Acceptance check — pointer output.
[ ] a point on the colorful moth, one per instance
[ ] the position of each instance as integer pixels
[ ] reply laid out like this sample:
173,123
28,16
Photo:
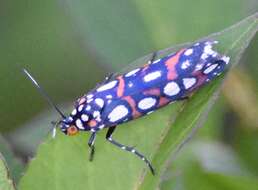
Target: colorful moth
141,91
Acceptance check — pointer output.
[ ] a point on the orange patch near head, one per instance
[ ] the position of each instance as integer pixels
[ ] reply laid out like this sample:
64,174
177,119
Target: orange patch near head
171,65
132,104
92,123
121,86
72,130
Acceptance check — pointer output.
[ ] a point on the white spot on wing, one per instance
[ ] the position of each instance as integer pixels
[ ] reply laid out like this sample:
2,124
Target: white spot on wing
185,64
156,61
118,113
210,69
80,108
189,82
152,76
107,86
99,102
208,64
74,112
130,84
101,126
109,96
79,124
89,100
132,72
214,54
226,59
188,52
88,107
98,119
208,50
84,117
171,89
204,56
199,66
89,96
147,103
96,114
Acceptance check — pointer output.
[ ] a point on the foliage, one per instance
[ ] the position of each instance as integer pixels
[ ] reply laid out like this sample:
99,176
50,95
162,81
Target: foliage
70,45
62,158
5,182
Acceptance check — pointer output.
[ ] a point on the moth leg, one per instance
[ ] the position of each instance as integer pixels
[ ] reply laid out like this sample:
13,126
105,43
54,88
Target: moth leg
91,145
153,57
53,128
183,98
128,148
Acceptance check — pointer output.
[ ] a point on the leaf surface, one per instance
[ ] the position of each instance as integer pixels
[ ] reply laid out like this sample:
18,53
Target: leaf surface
5,182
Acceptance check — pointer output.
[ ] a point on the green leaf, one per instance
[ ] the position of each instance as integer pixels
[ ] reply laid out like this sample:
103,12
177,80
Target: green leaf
5,182
63,163
197,178
210,165
220,181
15,165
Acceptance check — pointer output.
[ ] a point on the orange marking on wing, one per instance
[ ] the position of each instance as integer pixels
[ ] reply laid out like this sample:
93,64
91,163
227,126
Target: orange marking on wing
163,101
92,123
153,91
132,104
171,65
121,86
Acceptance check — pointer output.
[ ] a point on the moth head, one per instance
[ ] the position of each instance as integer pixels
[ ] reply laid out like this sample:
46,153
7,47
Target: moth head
68,127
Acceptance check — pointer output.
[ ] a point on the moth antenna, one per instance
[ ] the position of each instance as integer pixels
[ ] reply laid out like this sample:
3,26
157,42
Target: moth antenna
43,92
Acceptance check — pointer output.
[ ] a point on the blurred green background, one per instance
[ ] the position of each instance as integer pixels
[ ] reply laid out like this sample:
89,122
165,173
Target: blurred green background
71,45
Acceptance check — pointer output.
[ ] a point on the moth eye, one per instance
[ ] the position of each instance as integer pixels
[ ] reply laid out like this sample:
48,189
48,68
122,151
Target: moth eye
72,130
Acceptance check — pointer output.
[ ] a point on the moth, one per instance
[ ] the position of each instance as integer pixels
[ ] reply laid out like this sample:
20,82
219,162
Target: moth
141,91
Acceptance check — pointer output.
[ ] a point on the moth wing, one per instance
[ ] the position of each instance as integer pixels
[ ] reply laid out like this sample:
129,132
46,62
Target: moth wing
145,59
